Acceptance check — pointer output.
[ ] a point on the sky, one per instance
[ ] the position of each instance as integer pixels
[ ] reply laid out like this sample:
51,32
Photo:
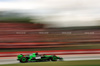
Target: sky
61,13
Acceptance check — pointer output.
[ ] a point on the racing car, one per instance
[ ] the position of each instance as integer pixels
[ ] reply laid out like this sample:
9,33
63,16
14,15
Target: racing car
35,57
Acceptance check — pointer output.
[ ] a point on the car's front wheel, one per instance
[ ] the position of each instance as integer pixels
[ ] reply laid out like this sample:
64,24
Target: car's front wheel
54,58
24,60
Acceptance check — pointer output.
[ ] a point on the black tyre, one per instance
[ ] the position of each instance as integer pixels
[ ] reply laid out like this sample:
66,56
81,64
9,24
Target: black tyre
54,58
24,60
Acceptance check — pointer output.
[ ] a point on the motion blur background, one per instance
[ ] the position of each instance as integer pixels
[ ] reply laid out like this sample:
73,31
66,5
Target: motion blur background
36,25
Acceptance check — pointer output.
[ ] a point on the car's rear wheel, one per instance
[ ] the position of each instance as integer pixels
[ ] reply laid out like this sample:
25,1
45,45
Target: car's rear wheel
54,58
24,60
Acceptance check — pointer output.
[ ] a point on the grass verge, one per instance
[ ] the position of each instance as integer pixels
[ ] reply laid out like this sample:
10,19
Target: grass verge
60,63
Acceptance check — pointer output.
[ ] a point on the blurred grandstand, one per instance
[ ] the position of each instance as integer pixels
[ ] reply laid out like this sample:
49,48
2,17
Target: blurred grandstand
30,35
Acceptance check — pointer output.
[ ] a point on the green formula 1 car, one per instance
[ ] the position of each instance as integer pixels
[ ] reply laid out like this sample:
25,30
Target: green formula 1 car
35,57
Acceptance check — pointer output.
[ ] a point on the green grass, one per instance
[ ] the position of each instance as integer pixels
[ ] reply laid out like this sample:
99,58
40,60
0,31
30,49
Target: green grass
77,47
60,63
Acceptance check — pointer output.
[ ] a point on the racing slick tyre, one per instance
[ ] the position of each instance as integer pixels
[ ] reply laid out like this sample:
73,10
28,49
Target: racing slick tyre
24,60
54,58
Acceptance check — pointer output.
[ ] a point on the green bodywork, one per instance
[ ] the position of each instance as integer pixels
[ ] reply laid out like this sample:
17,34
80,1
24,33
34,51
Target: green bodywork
33,57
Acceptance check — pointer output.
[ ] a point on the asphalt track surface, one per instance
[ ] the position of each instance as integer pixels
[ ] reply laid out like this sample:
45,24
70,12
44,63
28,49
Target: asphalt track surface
12,60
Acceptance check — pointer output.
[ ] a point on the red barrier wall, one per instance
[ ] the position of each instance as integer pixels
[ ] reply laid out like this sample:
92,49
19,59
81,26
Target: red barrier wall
55,52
